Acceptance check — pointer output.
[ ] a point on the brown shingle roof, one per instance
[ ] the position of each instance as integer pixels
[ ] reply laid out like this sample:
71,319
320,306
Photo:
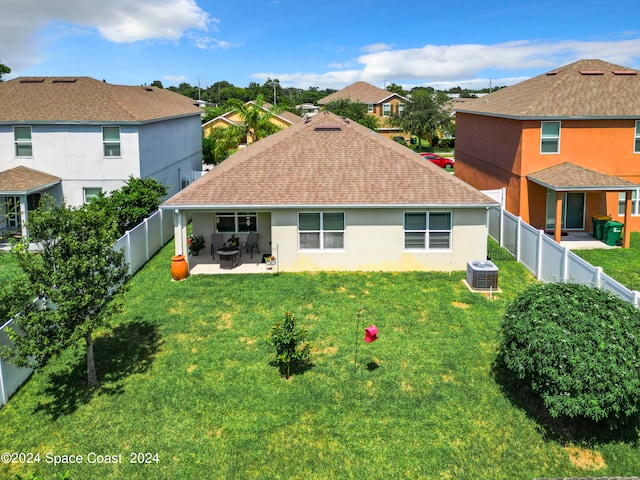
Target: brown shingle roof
362,92
584,89
25,180
569,176
326,161
84,99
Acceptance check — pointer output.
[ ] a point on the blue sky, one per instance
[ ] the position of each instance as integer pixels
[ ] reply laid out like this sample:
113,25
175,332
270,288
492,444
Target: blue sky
305,43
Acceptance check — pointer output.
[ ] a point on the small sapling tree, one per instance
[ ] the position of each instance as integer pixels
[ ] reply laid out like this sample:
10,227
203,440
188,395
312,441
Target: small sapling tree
578,348
292,351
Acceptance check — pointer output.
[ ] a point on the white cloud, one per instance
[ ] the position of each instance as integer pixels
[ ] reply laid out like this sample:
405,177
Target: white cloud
472,65
175,78
119,21
377,47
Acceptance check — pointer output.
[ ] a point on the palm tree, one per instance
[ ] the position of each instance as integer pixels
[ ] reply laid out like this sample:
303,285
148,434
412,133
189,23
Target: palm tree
256,118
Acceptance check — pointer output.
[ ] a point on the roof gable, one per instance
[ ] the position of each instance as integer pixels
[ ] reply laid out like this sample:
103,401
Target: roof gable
327,161
583,89
85,99
362,92
25,180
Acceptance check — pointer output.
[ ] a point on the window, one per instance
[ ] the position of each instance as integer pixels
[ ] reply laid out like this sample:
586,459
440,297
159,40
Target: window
22,137
91,193
427,230
111,141
550,137
321,231
236,222
636,148
370,108
635,203
386,109
401,109
33,200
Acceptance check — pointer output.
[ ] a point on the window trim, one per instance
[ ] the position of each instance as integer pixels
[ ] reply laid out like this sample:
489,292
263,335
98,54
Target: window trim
106,142
322,231
21,142
636,138
635,203
92,196
557,139
385,107
427,231
370,108
237,217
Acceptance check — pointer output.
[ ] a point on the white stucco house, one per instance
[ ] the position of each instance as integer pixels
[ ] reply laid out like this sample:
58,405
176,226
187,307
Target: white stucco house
330,194
73,137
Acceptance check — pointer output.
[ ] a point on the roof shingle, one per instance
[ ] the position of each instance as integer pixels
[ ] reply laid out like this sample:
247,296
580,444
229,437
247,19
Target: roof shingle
327,161
85,99
583,89
25,180
569,176
362,92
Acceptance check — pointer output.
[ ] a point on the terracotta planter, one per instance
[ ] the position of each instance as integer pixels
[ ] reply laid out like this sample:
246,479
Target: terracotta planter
179,268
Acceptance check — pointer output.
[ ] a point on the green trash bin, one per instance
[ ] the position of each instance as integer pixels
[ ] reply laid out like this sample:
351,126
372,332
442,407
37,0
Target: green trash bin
598,222
612,233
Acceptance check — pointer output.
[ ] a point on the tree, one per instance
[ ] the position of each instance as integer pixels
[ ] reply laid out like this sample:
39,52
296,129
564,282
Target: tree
216,147
257,120
422,117
4,70
78,279
355,111
397,89
157,83
129,205
292,351
577,347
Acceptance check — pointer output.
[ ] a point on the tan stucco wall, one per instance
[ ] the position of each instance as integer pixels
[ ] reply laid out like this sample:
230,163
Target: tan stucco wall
374,241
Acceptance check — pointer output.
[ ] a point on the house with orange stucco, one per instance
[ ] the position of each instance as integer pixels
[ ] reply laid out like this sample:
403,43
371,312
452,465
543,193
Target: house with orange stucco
565,145
381,103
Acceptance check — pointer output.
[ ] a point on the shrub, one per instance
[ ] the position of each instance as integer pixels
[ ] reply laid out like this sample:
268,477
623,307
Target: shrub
292,352
577,347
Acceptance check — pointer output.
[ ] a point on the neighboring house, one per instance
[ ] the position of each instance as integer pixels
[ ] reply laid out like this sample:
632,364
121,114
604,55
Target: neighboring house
330,194
282,120
565,144
381,103
73,137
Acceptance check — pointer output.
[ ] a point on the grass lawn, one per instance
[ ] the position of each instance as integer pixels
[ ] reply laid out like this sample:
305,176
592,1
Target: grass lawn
623,264
186,373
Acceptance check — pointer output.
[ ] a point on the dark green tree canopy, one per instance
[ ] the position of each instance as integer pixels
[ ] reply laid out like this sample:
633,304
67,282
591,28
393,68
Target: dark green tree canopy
577,347
4,70
77,278
355,111
423,116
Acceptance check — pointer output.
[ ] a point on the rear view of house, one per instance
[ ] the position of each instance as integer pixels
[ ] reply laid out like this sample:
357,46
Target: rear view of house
330,194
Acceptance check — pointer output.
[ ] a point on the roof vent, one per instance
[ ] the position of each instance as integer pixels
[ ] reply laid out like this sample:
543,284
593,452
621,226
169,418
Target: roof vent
591,72
32,80
555,72
327,128
624,72
64,80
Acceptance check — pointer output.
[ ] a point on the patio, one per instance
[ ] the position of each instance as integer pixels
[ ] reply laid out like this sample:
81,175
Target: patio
204,264
581,241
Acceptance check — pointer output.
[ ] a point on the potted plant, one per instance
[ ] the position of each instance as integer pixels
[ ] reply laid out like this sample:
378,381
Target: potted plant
234,242
196,243
270,261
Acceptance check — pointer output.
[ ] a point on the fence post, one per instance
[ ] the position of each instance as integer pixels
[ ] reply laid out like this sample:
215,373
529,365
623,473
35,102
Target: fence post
518,236
501,227
146,238
565,264
597,276
4,392
129,251
539,256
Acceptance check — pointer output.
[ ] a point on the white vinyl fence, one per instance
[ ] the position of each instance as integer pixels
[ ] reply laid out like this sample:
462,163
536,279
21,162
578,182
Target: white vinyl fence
139,245
548,260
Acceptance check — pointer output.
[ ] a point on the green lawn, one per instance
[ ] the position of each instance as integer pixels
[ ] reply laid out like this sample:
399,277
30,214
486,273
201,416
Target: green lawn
623,264
186,373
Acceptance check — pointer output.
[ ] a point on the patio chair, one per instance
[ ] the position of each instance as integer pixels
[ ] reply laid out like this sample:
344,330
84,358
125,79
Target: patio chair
216,244
250,243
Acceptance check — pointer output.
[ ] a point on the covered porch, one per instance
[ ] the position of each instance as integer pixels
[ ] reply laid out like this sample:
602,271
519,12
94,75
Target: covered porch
20,191
568,180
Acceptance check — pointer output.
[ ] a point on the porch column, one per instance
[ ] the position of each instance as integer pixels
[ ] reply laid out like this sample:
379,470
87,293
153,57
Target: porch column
626,231
24,216
557,230
180,233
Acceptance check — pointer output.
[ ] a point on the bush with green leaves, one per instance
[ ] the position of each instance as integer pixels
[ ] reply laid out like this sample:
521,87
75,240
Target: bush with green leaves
577,347
292,351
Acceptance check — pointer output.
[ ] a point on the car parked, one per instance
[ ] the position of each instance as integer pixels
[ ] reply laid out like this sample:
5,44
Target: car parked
443,162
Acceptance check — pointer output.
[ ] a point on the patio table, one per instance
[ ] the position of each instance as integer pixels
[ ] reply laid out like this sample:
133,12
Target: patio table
228,258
